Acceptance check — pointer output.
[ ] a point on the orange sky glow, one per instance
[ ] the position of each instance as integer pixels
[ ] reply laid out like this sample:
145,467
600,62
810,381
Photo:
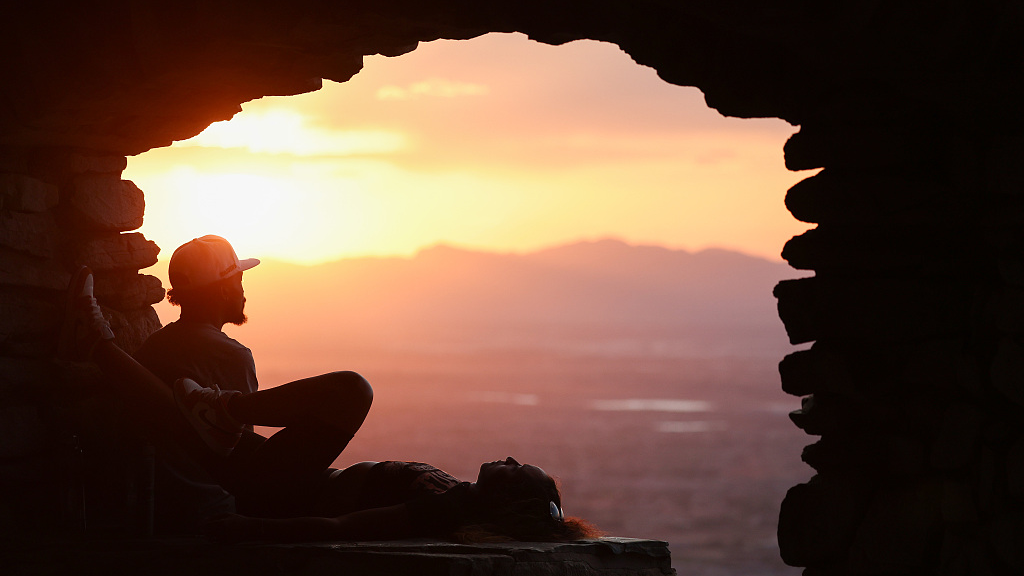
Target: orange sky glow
497,143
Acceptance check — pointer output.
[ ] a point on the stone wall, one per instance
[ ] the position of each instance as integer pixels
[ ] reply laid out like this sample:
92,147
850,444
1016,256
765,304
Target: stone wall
915,306
62,209
914,380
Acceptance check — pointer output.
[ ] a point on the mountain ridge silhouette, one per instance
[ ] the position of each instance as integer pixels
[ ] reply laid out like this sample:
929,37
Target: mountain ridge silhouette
604,290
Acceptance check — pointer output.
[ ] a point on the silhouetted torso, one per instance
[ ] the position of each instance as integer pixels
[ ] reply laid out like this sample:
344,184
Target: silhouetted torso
185,493
201,352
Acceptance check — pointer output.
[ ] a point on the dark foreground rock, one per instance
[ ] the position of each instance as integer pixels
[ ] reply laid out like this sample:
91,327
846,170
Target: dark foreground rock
193,557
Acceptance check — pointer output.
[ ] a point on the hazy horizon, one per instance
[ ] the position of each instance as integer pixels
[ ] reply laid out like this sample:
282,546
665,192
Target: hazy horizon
166,251
600,297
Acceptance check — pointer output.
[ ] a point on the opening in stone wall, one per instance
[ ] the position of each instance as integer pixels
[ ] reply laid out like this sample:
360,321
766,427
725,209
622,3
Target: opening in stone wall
436,223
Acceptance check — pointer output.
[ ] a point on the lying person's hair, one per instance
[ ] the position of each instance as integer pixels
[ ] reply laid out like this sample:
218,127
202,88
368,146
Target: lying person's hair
528,510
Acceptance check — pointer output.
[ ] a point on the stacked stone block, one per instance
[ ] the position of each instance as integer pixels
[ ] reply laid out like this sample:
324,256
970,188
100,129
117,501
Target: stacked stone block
914,381
59,210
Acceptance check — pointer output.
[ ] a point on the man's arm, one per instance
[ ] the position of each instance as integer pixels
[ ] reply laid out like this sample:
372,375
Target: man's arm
391,523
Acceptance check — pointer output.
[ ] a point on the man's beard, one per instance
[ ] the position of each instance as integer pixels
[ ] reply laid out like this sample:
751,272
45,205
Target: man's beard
240,318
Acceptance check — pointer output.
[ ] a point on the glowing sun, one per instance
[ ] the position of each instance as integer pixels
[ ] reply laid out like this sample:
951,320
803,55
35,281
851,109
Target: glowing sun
302,220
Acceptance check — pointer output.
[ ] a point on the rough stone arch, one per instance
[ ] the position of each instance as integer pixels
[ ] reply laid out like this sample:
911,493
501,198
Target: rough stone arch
915,308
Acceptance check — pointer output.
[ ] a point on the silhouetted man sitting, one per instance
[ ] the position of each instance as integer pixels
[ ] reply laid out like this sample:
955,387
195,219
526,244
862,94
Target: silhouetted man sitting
206,282
189,378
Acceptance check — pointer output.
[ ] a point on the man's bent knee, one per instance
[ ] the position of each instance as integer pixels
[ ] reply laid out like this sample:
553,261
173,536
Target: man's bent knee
350,390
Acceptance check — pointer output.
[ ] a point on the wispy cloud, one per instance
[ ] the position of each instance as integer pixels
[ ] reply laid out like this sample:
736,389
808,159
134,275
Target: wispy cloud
433,87
287,132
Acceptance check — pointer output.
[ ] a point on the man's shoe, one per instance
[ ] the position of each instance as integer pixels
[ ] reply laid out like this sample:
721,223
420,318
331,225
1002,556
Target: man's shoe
206,410
84,324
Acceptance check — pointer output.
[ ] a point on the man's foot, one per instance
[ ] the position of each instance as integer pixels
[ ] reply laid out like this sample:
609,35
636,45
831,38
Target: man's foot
206,410
84,324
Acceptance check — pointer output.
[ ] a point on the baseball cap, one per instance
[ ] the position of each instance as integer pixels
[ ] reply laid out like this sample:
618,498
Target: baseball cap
203,261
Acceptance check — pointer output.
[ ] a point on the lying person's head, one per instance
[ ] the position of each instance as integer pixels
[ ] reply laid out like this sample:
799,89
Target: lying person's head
521,502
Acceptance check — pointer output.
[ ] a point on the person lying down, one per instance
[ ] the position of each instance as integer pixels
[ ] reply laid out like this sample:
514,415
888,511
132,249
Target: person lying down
394,500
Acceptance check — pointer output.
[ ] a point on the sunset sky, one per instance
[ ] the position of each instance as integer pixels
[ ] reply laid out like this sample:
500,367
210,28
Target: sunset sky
497,143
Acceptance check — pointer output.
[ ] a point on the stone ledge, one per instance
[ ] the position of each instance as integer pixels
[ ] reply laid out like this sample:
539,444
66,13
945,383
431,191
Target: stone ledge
195,557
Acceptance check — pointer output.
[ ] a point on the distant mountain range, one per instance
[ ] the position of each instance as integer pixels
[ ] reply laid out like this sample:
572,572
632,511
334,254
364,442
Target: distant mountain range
603,297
